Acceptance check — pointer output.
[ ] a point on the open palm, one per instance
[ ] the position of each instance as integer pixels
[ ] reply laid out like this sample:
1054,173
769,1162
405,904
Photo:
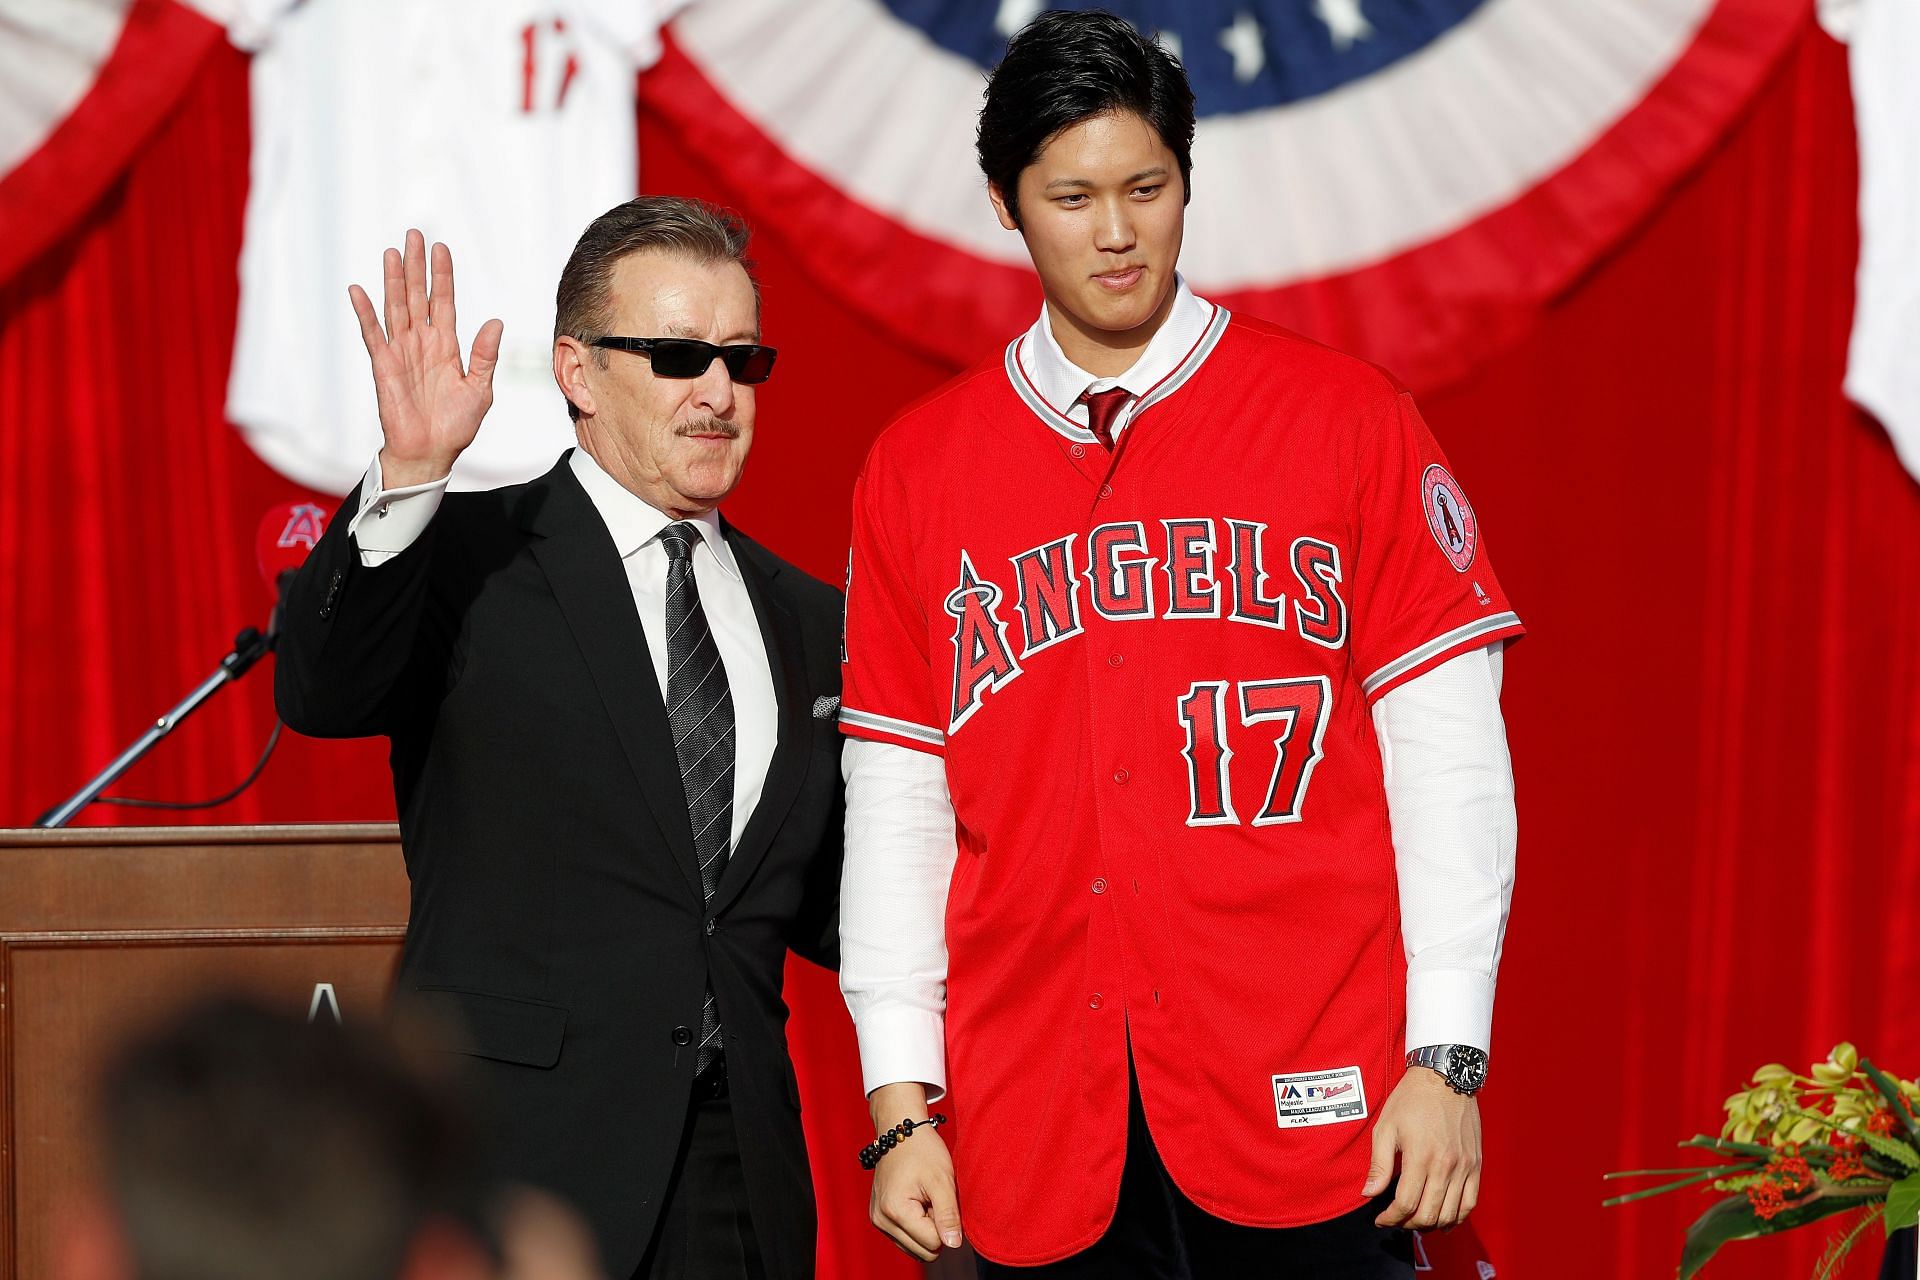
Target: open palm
430,406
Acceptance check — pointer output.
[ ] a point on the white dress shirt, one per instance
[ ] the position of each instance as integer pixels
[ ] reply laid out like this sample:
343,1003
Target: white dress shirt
1449,790
390,519
1061,382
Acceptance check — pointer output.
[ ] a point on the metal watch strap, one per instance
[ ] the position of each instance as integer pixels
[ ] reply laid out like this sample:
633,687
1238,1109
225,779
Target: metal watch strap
1465,1071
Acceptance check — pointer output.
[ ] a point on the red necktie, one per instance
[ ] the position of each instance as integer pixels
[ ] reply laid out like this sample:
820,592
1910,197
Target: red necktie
1102,408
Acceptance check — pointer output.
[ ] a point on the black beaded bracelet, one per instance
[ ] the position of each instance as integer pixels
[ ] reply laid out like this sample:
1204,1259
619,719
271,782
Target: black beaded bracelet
887,1141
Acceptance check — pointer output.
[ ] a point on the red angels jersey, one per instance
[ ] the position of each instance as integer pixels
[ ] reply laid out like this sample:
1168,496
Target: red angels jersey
1149,676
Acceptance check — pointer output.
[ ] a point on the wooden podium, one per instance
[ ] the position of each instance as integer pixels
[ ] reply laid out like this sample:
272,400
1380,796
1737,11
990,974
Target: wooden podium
102,929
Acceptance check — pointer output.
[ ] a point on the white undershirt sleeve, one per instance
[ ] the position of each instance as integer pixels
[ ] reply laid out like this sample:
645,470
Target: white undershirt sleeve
1449,783
900,853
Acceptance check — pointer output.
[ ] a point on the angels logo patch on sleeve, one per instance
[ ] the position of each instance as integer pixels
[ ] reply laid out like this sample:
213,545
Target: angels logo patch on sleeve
1449,516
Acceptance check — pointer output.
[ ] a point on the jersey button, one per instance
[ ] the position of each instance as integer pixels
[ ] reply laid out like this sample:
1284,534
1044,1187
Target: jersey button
1120,776
1094,1003
1114,659
1106,491
1099,884
1077,451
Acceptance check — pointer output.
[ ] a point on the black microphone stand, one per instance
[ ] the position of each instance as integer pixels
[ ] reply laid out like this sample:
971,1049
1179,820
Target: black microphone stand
249,647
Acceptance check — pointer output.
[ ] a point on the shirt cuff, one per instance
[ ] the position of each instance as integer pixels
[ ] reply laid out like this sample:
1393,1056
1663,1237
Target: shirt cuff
390,520
1449,1006
903,1045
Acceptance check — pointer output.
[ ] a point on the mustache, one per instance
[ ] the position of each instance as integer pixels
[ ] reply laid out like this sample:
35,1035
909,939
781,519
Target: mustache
708,426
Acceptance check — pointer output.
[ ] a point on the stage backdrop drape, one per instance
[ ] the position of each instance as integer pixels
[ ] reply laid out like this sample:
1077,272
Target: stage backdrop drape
1713,721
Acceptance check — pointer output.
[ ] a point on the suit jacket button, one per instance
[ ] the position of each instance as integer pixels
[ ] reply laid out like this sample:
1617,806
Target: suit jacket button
711,926
333,594
682,1036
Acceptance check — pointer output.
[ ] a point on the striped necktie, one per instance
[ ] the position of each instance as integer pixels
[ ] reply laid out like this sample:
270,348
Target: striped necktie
700,711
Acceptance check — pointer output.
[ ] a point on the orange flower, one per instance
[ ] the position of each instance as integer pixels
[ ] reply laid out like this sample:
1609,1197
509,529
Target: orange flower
1767,1199
1794,1174
1847,1166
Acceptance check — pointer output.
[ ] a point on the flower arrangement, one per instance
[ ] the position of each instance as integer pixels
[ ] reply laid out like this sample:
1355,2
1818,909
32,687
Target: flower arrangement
1841,1140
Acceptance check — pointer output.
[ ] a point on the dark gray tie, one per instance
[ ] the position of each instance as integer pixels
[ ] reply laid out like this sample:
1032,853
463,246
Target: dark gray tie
700,710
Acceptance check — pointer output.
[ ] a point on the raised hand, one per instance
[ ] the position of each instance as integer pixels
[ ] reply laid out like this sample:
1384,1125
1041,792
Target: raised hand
430,407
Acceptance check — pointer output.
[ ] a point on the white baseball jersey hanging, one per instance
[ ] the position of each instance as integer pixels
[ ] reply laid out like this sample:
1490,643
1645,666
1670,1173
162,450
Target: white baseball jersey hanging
502,127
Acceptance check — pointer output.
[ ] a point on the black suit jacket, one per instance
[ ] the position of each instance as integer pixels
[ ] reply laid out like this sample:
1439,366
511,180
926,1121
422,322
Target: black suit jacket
557,915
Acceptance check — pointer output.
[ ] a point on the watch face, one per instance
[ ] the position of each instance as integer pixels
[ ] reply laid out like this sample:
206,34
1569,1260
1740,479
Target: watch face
1466,1067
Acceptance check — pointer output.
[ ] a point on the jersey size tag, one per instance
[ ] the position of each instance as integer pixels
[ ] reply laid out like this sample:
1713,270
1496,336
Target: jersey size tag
1320,1097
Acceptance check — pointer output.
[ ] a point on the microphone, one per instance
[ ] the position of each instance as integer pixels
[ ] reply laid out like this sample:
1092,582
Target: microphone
287,535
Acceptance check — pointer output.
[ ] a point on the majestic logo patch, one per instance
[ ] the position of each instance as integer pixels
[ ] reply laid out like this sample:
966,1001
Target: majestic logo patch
1450,516
1320,1097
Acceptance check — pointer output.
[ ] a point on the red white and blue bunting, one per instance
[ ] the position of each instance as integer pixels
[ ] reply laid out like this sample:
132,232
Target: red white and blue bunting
1410,180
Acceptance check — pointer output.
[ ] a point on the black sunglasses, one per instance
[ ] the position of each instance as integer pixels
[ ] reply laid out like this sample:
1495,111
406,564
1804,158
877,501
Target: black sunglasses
690,357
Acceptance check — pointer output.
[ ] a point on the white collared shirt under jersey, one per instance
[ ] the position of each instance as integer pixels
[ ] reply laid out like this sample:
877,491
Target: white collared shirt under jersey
1445,768
1061,382
389,520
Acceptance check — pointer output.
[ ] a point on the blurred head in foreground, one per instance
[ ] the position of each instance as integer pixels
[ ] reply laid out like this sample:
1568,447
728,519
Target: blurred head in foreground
239,1143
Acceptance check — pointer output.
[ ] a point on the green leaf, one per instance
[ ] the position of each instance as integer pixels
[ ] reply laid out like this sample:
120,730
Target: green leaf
1734,1219
1898,1152
1694,1178
1730,1219
1903,1203
1879,1166
1728,1147
1891,1092
1841,1245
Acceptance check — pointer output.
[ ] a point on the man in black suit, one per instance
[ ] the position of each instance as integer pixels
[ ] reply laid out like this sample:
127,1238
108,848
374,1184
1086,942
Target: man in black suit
614,743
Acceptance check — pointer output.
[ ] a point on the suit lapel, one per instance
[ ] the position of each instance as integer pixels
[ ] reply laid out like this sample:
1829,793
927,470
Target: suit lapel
786,659
577,554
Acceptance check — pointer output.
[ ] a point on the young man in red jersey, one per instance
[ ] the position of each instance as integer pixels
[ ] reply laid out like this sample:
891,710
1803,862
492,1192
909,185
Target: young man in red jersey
1180,820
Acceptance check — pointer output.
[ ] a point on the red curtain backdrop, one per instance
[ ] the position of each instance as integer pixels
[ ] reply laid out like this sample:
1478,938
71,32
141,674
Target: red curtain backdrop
1713,722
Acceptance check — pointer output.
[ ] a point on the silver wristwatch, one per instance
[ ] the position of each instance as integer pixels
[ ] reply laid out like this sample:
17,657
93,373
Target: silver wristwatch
1462,1066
